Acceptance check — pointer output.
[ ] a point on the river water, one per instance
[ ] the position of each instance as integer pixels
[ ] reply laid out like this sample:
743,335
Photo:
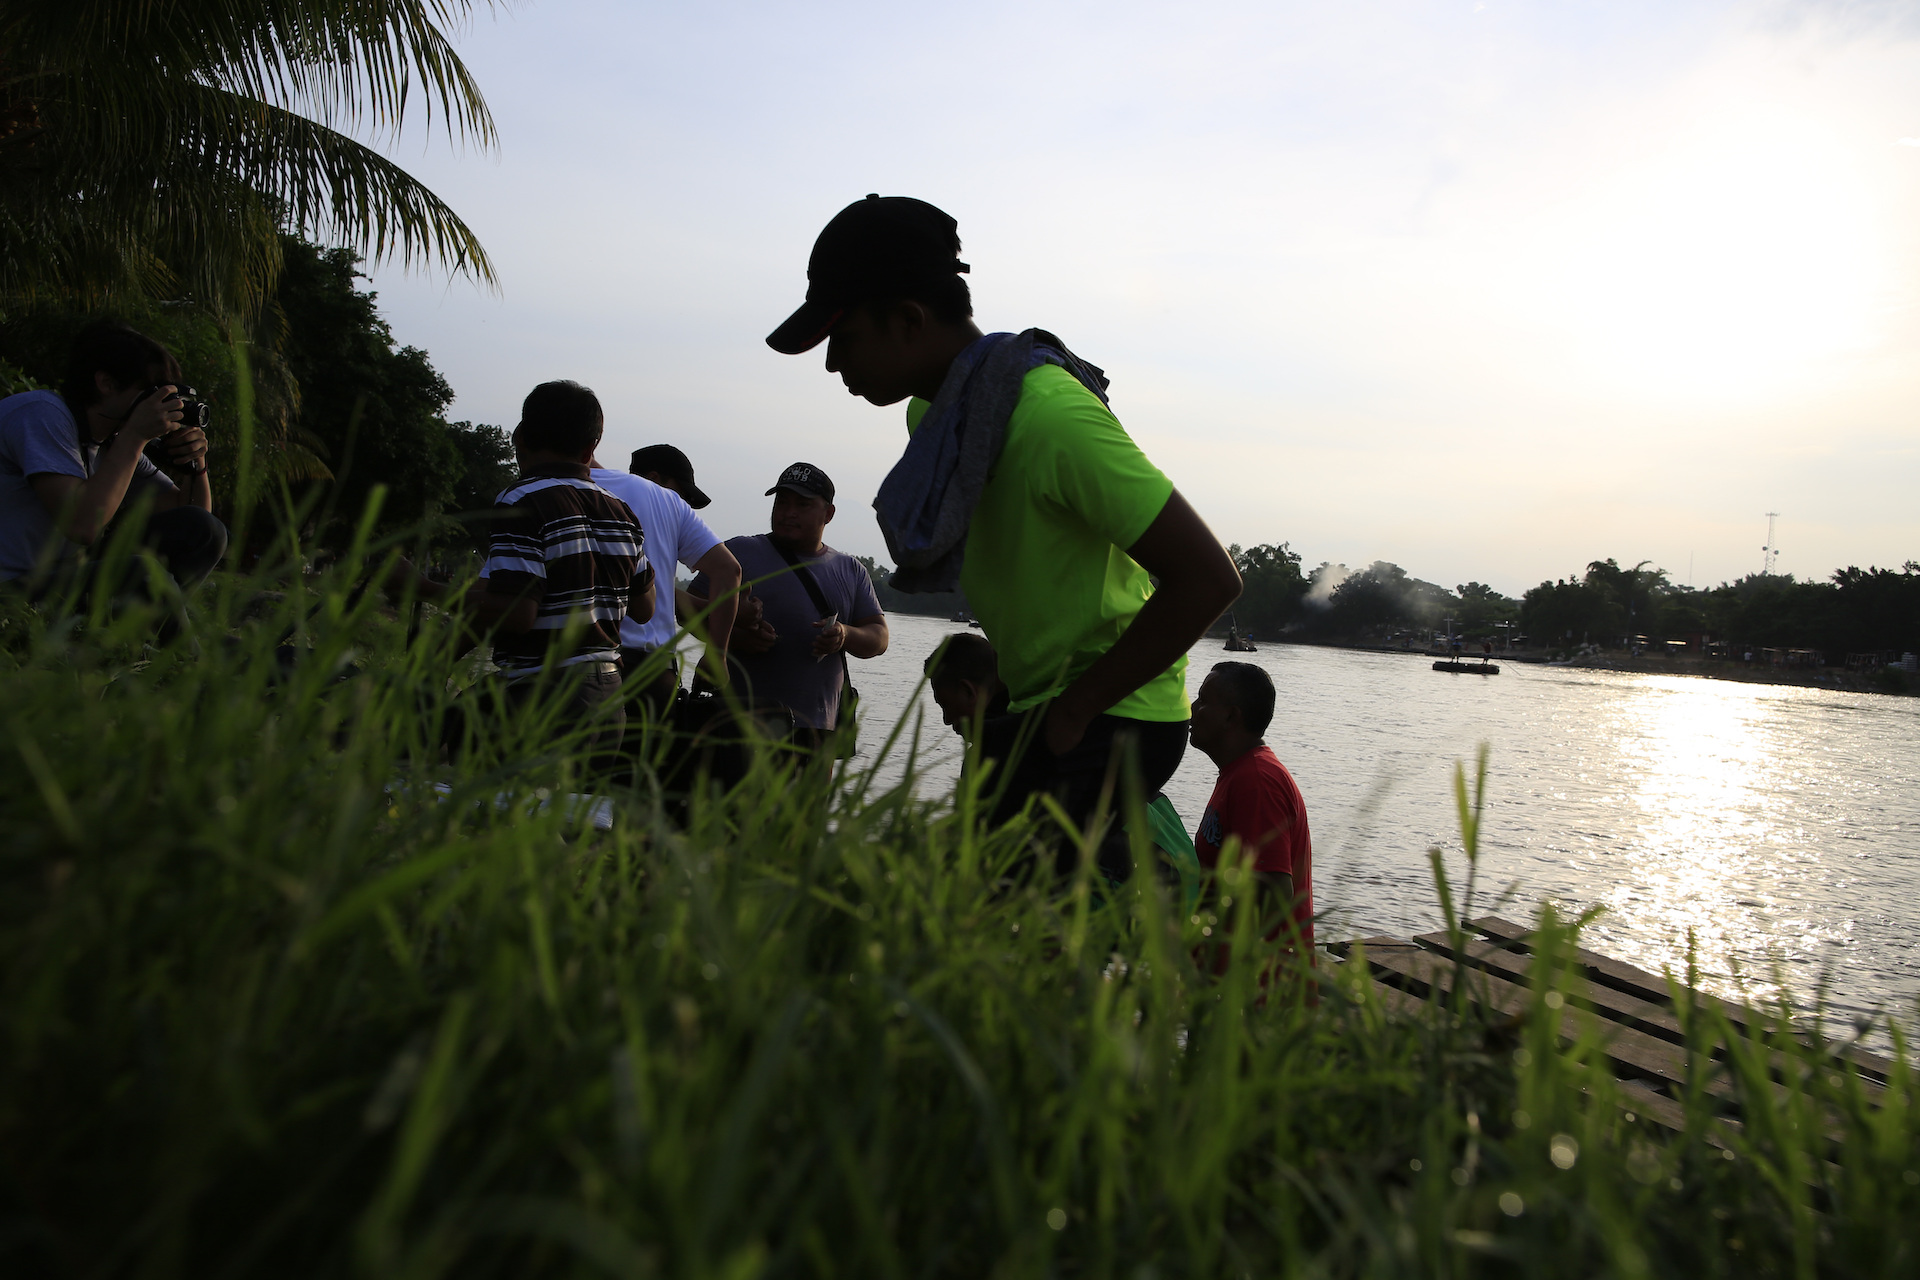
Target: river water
1778,827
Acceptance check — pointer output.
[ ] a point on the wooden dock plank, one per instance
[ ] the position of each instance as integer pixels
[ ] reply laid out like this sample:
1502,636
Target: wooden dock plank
1642,1015
1636,1098
1636,982
1633,1052
1391,998
1643,1064
1515,966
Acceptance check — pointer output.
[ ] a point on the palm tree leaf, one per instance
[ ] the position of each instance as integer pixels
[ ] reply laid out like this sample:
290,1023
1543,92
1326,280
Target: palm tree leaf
153,145
342,62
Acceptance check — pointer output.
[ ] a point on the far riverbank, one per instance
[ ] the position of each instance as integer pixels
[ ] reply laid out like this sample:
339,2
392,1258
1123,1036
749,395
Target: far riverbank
1888,681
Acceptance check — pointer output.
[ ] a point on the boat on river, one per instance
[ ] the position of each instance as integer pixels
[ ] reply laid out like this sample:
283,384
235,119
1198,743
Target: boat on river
1480,668
1237,643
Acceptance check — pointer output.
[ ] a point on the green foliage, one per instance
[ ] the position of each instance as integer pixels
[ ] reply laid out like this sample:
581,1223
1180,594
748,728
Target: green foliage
1856,611
1482,610
1379,599
273,1004
14,379
487,467
159,151
1567,613
1272,587
373,408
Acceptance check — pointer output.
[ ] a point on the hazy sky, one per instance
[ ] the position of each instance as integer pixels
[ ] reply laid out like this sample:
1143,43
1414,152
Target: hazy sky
1488,289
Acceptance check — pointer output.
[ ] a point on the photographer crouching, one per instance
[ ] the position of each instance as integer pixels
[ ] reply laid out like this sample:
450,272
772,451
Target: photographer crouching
73,460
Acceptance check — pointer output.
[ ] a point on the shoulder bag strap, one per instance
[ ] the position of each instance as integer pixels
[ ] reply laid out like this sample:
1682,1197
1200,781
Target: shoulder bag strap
818,597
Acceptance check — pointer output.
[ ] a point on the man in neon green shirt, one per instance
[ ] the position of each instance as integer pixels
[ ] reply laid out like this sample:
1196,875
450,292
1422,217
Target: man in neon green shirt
1021,487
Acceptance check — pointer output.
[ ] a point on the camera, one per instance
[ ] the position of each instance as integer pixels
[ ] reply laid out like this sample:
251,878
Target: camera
193,413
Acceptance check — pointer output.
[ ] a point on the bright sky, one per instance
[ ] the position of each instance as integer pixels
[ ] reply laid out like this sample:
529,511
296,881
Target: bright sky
1488,289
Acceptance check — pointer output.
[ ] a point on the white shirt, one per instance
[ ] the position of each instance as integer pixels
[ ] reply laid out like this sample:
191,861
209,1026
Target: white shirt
674,535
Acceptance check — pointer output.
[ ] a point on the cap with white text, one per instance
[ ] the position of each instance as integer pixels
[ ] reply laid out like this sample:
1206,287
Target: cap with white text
804,479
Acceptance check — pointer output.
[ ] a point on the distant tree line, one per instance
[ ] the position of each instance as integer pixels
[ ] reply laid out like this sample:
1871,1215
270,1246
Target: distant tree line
1855,611
1330,603
1380,602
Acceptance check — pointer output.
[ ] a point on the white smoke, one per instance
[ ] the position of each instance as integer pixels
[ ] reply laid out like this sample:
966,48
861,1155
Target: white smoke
1324,582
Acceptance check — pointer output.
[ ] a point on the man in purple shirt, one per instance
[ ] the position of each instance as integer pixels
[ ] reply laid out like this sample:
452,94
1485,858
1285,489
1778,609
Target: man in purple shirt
790,649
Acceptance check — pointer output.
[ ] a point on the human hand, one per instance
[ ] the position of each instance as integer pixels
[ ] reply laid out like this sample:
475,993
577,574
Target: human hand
832,637
756,639
187,449
1063,729
748,616
155,414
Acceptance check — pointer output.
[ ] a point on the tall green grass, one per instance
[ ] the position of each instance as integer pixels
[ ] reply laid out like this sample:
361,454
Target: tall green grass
276,1005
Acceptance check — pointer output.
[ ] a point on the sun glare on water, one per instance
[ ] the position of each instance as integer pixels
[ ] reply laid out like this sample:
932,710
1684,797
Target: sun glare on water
1709,860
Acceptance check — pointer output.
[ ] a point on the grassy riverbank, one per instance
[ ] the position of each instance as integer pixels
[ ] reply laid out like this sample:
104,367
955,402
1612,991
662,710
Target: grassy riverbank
275,1005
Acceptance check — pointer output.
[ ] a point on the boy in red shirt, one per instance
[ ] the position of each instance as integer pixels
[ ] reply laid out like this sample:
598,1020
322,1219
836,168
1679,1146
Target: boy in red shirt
1255,798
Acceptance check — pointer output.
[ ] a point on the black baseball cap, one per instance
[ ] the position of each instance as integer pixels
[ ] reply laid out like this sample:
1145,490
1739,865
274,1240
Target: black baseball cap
804,479
874,247
669,461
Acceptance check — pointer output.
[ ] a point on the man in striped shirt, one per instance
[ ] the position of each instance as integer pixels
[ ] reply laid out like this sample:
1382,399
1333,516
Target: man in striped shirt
567,563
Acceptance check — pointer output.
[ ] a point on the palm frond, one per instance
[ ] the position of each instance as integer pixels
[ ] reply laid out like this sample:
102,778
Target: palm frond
344,62
166,145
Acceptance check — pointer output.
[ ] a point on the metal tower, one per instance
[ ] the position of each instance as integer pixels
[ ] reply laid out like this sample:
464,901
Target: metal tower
1772,551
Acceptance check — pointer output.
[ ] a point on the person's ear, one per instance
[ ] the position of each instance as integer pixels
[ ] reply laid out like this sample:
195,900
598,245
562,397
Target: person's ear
104,385
829,519
911,319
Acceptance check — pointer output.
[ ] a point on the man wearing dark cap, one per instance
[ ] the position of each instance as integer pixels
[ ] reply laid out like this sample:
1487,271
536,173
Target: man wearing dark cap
1019,486
675,535
669,468
810,608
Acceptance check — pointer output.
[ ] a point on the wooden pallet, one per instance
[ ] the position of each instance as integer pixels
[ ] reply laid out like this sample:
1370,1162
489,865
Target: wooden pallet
1629,1012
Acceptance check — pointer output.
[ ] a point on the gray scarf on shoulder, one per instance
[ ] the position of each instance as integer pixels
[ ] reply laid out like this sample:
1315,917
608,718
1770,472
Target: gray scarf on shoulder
925,505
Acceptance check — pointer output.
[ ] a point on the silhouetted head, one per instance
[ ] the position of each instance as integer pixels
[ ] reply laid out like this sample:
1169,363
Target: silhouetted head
886,293
1231,711
559,422
964,674
111,365
671,469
